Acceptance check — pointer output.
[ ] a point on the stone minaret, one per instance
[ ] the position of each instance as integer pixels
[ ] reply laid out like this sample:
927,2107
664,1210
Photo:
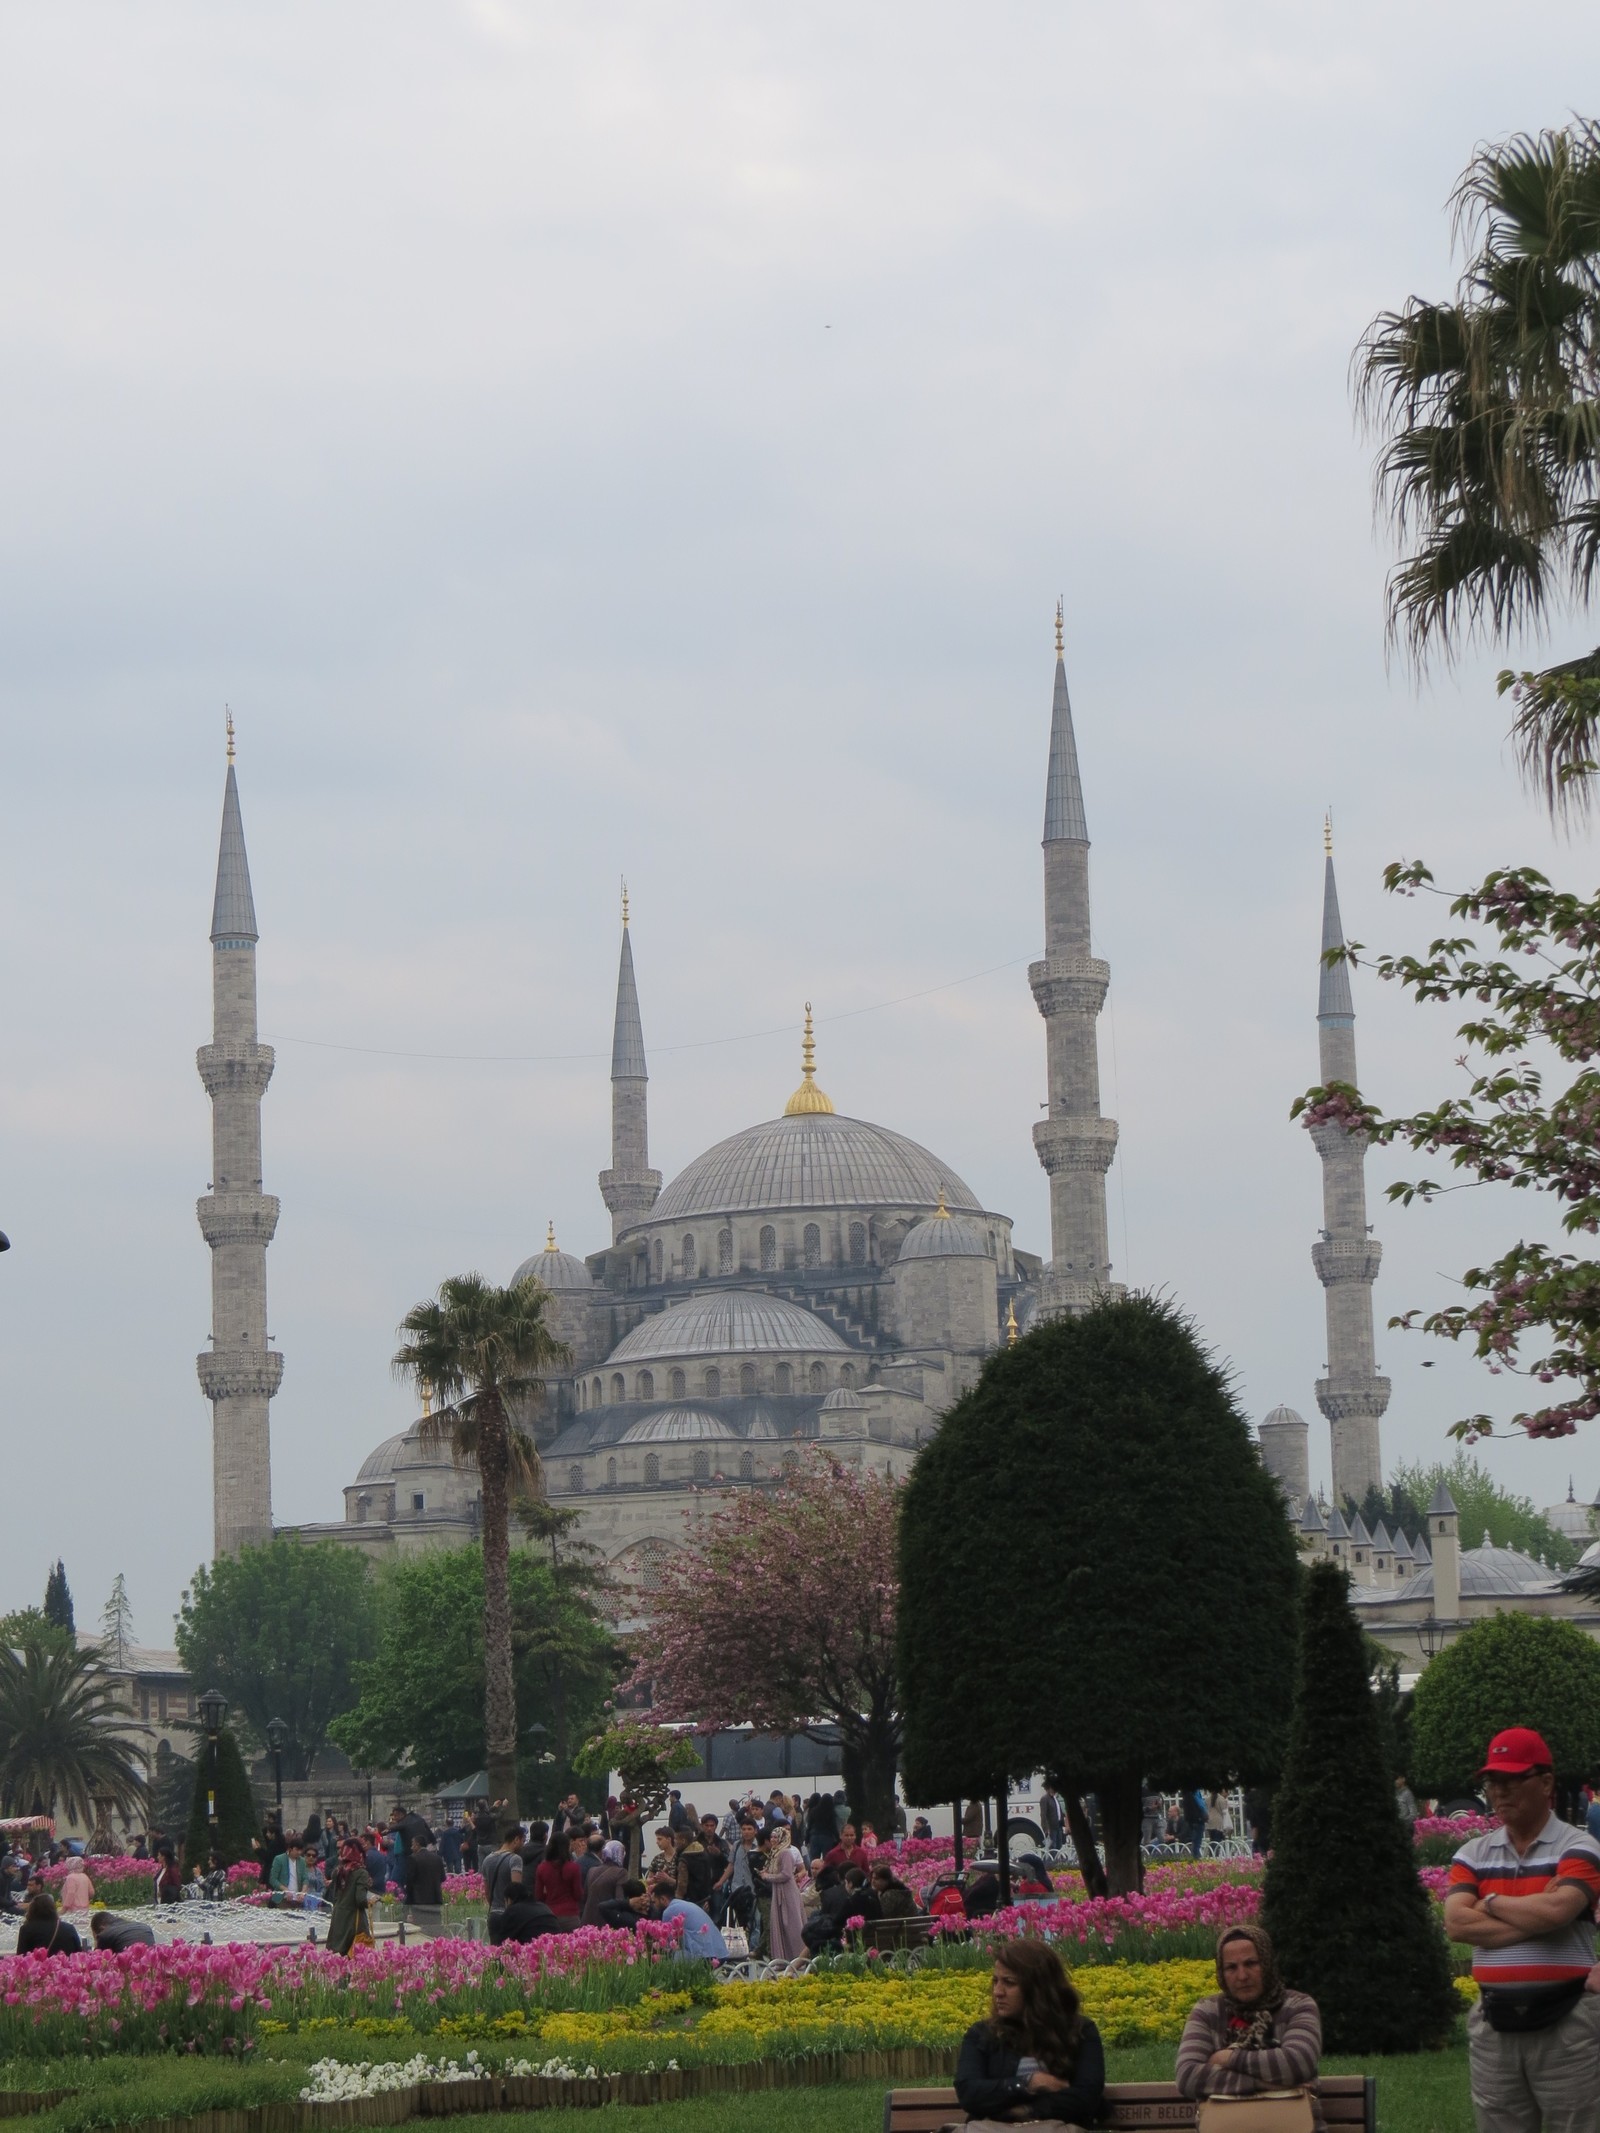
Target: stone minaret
630,1186
239,1373
1075,1144
1346,1255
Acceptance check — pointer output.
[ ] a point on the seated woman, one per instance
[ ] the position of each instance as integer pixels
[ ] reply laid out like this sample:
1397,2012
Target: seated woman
1254,2033
1038,2058
44,1931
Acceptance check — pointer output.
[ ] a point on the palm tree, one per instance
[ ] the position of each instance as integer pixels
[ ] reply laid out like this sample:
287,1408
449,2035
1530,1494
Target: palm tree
480,1350
61,1739
1490,407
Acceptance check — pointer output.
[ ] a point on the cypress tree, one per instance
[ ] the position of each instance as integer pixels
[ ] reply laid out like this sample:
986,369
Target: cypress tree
237,1819
1351,1922
58,1599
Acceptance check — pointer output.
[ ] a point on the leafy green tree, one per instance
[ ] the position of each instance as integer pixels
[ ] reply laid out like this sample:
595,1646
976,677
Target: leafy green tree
422,1695
1132,1620
116,1624
280,1629
61,1737
481,1350
1509,1670
1351,1922
27,1625
58,1599
1509,1520
238,1817
645,1757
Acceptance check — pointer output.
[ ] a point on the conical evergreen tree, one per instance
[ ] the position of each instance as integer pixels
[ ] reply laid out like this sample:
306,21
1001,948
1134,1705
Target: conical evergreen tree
58,1599
1352,1924
237,1820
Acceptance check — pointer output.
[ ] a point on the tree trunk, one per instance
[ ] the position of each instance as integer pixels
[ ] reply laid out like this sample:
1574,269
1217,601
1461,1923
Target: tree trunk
499,1682
870,1753
1094,1874
1002,1844
1120,1798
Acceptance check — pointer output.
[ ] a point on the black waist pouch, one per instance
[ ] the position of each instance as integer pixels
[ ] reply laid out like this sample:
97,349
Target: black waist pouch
1522,2007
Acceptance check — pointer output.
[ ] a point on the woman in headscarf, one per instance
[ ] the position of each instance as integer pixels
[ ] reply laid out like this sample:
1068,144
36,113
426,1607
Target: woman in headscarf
1253,2033
782,1877
604,1881
352,1892
1038,2059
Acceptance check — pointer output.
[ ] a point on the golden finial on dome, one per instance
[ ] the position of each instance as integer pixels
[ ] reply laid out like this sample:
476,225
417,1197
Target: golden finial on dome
229,716
427,1400
808,1098
1327,833
1012,1332
550,1236
941,1213
1061,624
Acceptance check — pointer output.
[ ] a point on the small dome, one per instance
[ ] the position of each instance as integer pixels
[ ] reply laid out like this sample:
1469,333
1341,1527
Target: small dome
943,1235
1283,1417
1485,1572
676,1425
552,1269
842,1398
1572,1519
728,1322
380,1465
1589,1557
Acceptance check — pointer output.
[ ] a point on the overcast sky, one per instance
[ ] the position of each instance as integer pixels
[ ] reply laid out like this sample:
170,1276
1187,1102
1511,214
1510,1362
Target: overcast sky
634,439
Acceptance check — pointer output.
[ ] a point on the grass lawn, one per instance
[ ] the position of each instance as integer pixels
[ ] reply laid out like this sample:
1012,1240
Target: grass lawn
1426,2093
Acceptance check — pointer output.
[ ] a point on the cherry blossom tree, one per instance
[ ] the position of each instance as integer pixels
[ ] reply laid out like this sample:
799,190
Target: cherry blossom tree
783,1617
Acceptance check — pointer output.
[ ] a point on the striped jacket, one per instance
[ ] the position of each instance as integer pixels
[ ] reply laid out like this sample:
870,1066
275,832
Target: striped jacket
1288,2062
1490,1864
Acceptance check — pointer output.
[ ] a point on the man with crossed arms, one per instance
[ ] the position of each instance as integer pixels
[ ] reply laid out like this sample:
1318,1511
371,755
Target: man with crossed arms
1523,1898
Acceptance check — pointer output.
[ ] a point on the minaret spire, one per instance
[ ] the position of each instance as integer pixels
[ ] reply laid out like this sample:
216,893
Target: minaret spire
1074,1143
630,1186
239,1372
1347,1255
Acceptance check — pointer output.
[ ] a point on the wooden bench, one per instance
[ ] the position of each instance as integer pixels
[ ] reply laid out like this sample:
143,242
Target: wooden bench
1348,2100
913,1932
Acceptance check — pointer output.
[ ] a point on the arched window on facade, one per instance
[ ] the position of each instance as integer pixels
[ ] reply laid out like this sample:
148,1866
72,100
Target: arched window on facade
725,1251
819,1377
702,1466
813,1245
647,1385
598,1393
747,1466
785,1381
747,1377
858,1244
652,1467
619,1390
363,1506
678,1383
575,1479
611,1473
847,1373
688,1258
713,1383
769,1249
655,1259
791,1462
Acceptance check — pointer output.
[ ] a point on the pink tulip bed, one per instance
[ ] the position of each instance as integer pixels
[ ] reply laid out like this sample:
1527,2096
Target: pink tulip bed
116,1879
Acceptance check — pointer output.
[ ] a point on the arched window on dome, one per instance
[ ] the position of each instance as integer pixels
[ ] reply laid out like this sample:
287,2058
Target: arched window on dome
725,1251
702,1466
813,1245
858,1244
747,1377
847,1373
655,1259
785,1381
619,1390
611,1473
646,1386
747,1466
713,1383
652,1467
819,1377
769,1249
688,1259
575,1479
599,1395
678,1383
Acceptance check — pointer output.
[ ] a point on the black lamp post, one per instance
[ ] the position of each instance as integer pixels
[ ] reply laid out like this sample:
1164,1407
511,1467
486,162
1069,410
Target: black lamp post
1431,1635
277,1734
213,1709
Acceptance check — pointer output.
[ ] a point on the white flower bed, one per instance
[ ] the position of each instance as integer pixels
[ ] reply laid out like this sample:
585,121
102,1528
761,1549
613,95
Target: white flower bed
337,2081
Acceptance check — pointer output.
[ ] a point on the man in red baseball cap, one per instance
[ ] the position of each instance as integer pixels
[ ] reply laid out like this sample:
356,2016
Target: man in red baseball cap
1523,1897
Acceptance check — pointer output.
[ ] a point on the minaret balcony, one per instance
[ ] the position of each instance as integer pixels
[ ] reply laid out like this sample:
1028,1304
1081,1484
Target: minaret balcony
238,1217
1087,1143
1332,1141
232,1068
1340,1259
1351,1399
239,1374
1069,984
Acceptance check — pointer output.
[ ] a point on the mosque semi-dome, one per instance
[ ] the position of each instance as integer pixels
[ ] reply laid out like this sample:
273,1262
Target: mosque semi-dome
1485,1572
553,1269
943,1235
811,1159
676,1425
728,1322
842,1399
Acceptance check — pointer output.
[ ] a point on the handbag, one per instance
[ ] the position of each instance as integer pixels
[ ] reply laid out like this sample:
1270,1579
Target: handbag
737,1942
1268,2111
1515,2009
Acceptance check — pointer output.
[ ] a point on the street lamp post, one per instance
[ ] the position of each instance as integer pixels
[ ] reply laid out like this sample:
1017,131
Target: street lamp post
213,1709
277,1734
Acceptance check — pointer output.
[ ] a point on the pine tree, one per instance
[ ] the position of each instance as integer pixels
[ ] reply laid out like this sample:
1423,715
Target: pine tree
237,1818
58,1599
116,1625
1351,1922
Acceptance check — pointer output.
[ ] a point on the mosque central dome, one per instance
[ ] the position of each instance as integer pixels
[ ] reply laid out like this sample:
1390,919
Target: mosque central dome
811,1159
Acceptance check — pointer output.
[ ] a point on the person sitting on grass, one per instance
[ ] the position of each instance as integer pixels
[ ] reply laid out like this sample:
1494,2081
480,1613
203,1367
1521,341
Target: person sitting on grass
113,1934
1252,2034
523,1917
44,1931
1038,2059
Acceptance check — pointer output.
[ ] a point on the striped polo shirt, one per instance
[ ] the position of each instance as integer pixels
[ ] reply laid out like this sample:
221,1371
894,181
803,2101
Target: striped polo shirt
1490,1865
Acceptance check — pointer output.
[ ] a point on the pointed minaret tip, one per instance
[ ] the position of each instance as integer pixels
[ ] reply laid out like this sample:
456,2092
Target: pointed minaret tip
624,903
1334,1002
1327,833
1061,628
627,1035
229,716
233,910
1064,818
